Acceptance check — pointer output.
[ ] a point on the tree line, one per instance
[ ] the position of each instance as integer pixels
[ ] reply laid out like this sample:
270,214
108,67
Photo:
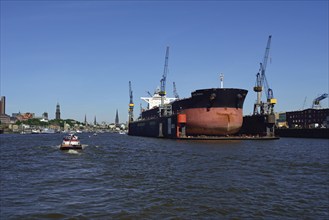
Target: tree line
58,122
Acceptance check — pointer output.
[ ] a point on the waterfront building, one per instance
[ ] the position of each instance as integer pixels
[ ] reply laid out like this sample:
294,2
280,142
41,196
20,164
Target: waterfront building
281,120
66,126
15,114
23,116
45,116
58,112
308,118
4,119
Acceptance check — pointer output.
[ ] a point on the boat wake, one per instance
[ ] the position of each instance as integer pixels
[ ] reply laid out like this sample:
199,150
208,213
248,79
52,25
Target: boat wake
77,151
73,151
56,146
84,146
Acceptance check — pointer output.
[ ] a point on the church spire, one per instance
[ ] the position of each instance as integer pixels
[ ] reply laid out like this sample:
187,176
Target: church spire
117,118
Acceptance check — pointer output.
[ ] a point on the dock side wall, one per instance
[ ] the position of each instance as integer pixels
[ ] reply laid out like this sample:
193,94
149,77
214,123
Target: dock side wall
157,127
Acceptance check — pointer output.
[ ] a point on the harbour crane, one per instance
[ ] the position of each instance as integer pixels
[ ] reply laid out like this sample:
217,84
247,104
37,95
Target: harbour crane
162,92
131,104
316,101
261,83
175,91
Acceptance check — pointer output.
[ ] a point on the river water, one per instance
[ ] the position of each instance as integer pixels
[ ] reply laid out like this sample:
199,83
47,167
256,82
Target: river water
118,176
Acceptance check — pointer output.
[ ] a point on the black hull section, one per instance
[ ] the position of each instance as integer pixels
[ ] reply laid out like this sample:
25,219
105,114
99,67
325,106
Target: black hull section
70,148
208,98
157,127
205,98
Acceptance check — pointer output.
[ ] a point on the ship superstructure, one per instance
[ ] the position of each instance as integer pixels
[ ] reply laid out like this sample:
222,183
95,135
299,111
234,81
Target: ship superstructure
156,99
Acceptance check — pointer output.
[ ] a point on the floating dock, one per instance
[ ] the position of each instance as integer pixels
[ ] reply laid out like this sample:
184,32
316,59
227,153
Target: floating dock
262,138
174,127
322,133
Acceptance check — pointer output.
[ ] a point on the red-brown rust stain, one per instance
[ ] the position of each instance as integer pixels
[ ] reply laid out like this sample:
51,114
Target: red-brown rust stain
229,116
213,122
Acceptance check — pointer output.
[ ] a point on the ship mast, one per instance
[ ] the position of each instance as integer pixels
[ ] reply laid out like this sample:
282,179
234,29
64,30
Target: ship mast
221,77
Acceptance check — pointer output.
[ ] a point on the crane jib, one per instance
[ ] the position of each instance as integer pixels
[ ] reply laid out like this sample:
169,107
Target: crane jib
165,72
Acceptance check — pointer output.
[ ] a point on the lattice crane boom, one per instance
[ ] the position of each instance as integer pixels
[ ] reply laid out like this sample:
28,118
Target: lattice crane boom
267,52
131,104
164,76
316,101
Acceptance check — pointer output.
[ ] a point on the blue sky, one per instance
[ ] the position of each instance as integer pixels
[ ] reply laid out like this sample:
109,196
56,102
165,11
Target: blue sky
82,54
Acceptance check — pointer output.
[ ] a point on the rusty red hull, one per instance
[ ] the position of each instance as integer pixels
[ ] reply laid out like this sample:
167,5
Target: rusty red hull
213,121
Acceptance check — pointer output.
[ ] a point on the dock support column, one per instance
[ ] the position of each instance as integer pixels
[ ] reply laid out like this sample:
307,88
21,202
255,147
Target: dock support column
160,130
270,122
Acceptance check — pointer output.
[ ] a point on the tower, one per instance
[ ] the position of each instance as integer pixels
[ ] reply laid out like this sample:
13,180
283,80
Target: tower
95,122
58,112
117,118
2,105
85,119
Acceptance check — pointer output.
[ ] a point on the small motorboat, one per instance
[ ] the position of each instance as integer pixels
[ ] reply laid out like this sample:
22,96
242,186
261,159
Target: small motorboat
71,142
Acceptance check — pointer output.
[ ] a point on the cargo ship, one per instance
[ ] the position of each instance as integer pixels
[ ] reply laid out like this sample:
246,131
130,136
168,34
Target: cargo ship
209,112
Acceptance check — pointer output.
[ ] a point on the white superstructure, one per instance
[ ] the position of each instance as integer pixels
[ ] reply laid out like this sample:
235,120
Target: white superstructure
155,100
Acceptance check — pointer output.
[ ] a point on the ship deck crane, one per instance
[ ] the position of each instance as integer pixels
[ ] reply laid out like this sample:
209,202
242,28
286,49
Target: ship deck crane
131,104
261,83
316,101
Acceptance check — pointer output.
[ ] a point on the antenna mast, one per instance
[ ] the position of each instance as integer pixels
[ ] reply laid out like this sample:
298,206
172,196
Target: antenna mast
221,77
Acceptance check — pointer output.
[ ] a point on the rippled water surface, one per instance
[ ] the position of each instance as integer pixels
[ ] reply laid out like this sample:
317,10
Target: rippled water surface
123,177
